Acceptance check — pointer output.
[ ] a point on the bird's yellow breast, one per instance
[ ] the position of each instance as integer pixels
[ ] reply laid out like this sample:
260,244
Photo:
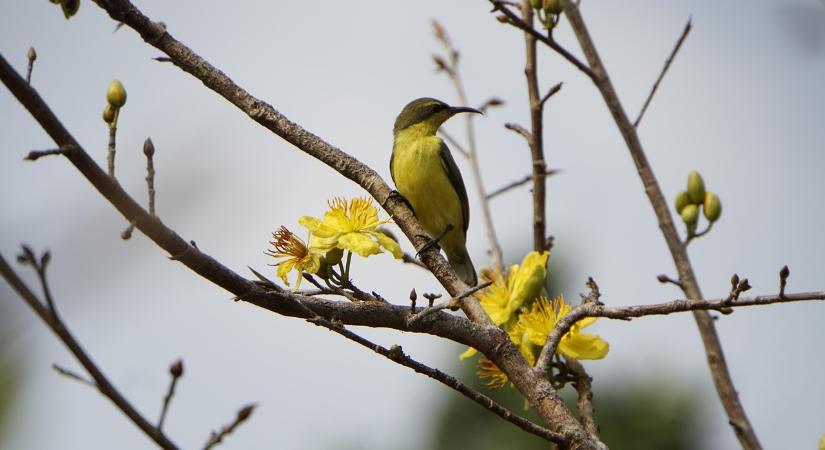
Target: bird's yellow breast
421,178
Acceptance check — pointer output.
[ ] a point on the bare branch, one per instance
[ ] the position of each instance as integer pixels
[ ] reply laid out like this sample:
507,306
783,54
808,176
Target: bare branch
553,91
584,402
73,376
470,152
241,417
518,183
34,155
62,332
175,371
664,71
713,347
520,130
513,19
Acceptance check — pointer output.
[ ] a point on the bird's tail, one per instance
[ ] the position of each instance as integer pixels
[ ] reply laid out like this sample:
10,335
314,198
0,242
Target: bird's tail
463,266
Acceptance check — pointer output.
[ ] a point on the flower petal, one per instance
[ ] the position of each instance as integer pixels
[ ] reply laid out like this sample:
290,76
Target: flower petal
359,243
388,243
470,352
583,346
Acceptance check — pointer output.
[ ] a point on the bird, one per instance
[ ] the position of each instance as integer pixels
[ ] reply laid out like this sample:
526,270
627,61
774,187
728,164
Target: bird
426,175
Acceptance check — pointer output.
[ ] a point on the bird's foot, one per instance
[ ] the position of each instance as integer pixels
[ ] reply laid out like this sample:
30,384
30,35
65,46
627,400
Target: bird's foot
433,242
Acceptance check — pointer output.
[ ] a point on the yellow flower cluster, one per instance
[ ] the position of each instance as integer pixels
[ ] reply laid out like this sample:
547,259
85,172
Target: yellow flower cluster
347,225
517,301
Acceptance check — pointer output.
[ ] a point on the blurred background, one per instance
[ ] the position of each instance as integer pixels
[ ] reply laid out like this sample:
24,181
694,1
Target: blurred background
744,104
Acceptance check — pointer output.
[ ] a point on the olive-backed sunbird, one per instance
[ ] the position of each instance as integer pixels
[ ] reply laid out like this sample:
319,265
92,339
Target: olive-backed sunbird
426,175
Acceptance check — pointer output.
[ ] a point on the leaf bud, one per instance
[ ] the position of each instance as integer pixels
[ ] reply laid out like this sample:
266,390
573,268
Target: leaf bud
148,148
690,215
682,200
109,114
116,94
32,55
712,207
696,187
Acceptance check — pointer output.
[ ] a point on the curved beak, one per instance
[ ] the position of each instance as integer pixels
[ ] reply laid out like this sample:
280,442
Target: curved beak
462,109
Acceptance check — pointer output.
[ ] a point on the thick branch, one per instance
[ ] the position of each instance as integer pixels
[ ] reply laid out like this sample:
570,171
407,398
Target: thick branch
713,348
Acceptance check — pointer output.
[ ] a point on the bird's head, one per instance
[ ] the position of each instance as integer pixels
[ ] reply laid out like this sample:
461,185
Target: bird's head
425,115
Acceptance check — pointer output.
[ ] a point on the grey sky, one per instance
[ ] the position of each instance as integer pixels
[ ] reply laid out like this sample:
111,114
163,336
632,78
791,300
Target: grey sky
743,103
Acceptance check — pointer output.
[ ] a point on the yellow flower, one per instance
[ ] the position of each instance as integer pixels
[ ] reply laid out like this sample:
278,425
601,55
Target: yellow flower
534,326
350,226
502,299
488,369
298,256
524,282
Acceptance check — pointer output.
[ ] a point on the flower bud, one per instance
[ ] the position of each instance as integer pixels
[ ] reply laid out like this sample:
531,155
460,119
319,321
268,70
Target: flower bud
696,187
108,114
536,4
682,200
690,215
32,54
553,6
69,7
116,94
176,369
712,207
334,256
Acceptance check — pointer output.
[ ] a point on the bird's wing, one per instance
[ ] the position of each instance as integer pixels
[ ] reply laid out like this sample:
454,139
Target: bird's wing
392,168
454,176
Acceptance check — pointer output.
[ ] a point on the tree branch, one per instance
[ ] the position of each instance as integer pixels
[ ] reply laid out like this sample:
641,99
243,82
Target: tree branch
100,381
450,67
713,348
664,71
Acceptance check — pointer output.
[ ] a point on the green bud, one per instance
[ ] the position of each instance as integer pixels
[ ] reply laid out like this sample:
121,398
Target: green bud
334,256
323,269
536,4
690,215
553,6
682,200
712,207
116,94
696,187
69,7
108,114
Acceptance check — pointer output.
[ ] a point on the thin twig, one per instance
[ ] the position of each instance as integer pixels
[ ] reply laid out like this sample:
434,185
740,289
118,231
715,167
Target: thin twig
553,91
536,140
103,385
34,155
707,329
664,71
451,68
451,303
242,415
149,151
513,19
518,183
110,159
175,371
584,402
520,130
454,143
74,376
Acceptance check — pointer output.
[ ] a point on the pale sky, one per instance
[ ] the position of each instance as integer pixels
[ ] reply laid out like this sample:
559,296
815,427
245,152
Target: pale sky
743,103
